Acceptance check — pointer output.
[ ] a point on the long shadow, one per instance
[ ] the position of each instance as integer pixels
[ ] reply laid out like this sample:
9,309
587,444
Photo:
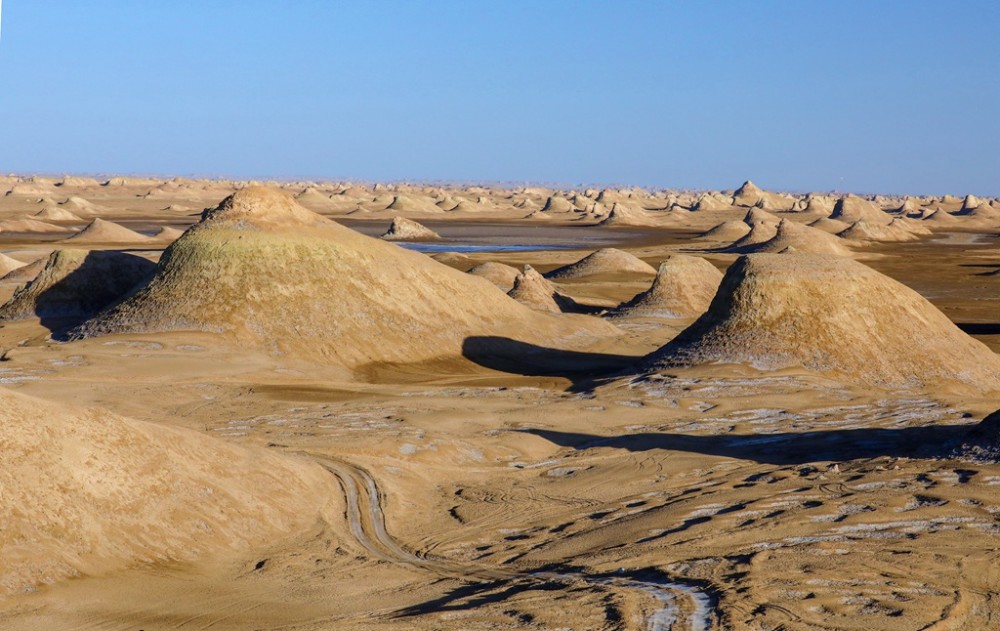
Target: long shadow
979,328
794,448
585,370
63,300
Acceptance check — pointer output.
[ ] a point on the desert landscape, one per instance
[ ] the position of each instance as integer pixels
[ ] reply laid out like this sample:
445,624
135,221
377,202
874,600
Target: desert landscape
437,315
334,405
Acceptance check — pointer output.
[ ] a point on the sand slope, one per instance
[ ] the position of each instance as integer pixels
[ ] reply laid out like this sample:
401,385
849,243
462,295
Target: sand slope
88,492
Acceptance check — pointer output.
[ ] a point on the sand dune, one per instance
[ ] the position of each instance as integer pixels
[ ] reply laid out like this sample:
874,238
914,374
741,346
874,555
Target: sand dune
56,213
8,264
87,493
31,226
102,231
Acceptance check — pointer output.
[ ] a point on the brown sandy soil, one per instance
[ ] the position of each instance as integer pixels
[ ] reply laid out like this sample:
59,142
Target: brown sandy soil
518,486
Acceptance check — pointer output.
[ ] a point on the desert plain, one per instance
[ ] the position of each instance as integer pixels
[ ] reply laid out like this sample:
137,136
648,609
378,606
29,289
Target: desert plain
315,405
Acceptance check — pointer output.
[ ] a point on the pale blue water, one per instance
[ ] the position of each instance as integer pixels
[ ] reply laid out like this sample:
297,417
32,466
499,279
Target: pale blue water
456,247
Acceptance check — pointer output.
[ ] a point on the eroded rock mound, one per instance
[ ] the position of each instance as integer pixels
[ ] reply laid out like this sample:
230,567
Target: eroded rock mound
606,261
534,291
832,315
684,287
77,284
794,237
262,270
403,229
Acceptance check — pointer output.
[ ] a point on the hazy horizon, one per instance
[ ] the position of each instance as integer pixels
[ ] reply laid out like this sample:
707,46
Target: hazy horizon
867,98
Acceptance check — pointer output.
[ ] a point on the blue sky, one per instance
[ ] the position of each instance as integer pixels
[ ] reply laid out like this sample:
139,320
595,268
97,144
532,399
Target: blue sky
860,96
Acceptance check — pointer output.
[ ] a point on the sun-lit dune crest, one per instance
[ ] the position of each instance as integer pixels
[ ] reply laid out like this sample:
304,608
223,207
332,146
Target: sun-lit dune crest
683,288
103,231
83,206
403,229
29,226
832,315
262,269
727,231
501,275
56,213
603,261
8,264
89,493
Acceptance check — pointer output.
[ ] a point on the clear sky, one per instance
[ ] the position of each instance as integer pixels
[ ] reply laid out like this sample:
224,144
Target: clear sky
865,96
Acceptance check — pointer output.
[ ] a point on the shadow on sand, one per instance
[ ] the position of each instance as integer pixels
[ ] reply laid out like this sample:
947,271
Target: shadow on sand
101,279
585,370
795,448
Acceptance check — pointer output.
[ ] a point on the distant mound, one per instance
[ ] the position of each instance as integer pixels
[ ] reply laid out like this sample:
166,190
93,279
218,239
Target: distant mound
606,261
497,273
763,227
795,237
558,204
56,213
403,229
408,204
622,215
80,204
76,284
534,291
832,226
167,234
262,270
25,273
864,230
833,315
88,493
727,231
8,264
684,287
747,195
101,231
31,226
852,209
711,201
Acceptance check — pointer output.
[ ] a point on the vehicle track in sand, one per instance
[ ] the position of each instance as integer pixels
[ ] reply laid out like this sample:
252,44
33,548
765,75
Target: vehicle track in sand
366,521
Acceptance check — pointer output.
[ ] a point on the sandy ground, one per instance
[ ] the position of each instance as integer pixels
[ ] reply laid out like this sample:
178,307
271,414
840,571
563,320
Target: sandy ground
552,489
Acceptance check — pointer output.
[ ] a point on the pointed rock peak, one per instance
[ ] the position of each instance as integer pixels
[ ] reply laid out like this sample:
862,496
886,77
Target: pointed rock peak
403,229
262,204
